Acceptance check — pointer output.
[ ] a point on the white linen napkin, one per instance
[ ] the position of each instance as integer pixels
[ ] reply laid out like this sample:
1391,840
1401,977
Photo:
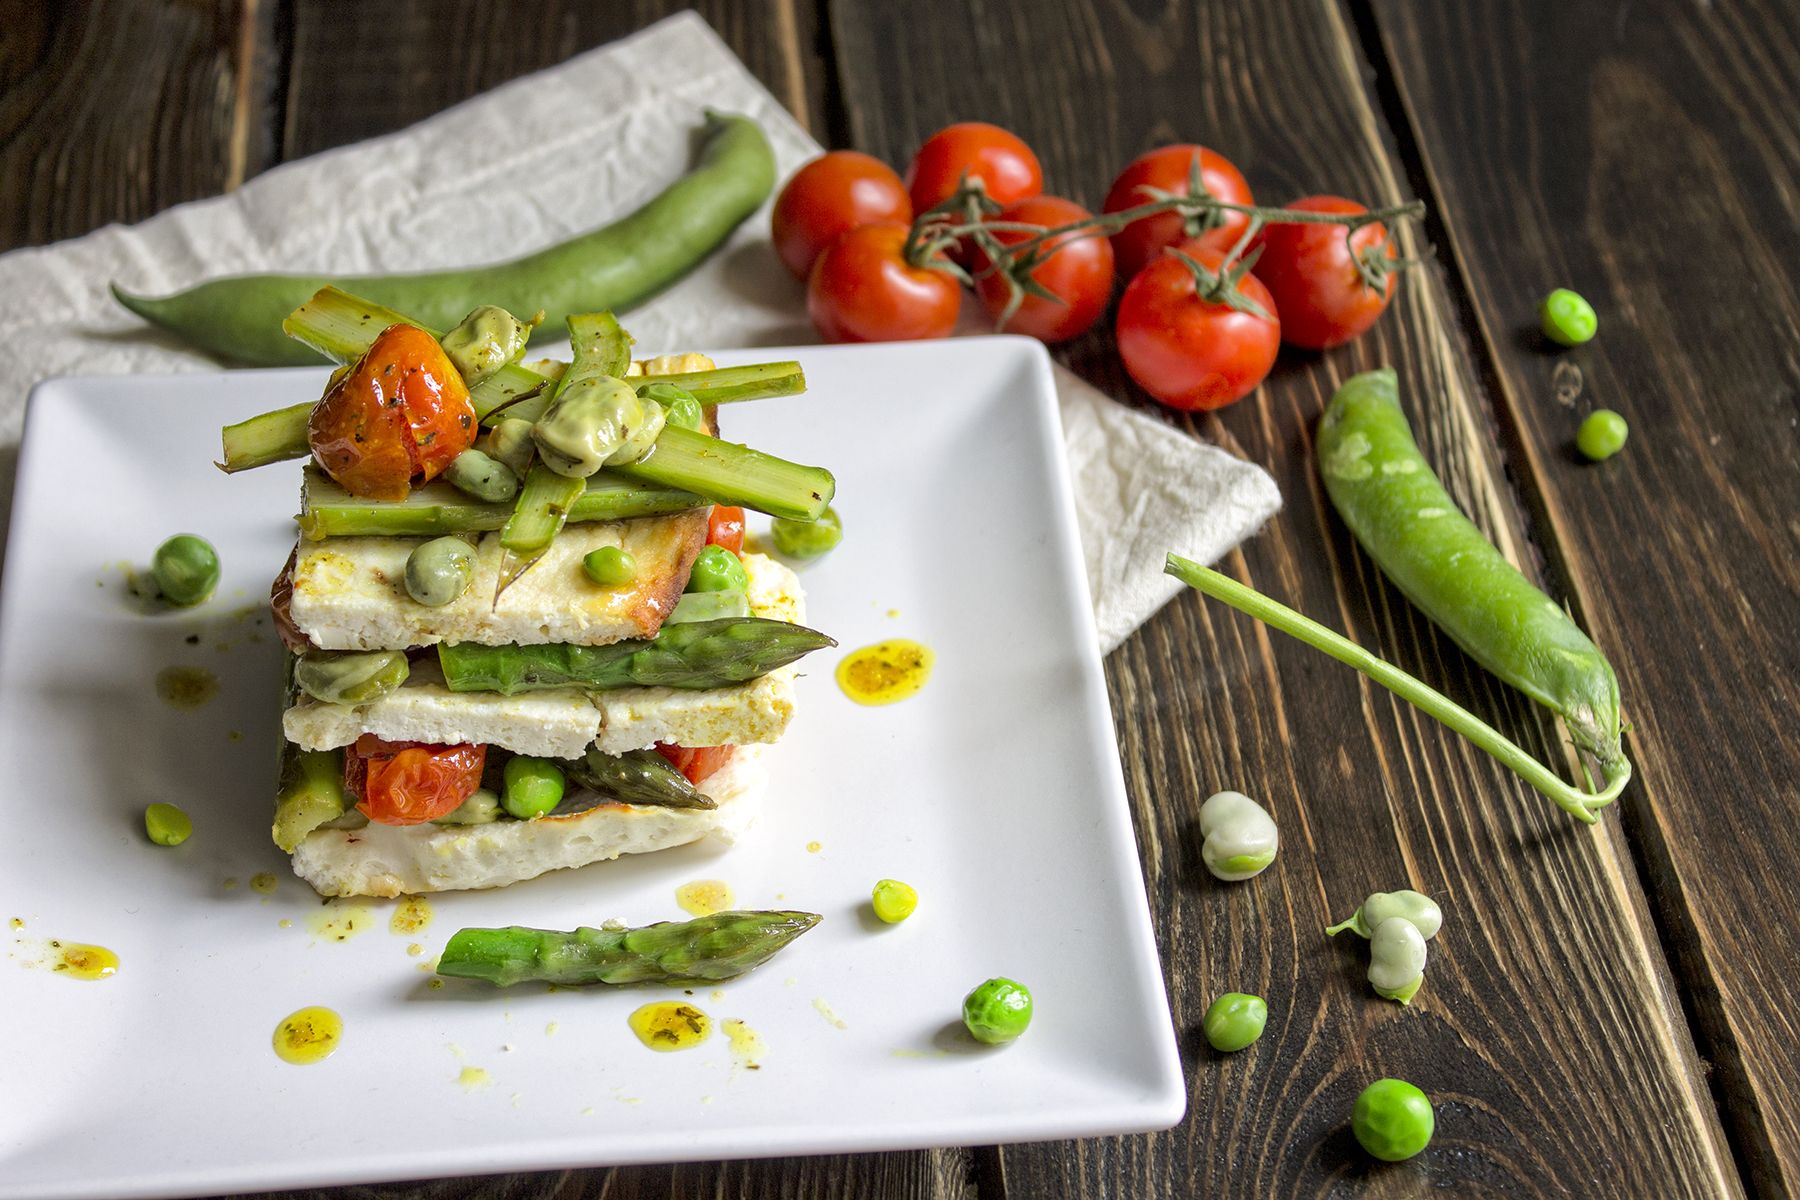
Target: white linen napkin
571,147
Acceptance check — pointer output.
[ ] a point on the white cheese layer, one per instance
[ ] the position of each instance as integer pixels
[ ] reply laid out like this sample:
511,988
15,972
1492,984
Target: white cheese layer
564,722
389,860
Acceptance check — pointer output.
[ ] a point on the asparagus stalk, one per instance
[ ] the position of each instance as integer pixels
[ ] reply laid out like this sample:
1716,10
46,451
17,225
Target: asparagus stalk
311,793
266,438
543,507
437,508
699,654
721,385
729,473
638,777
721,946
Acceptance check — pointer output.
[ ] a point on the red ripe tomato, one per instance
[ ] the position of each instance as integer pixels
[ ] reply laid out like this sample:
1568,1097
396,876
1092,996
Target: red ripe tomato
697,763
1080,271
409,783
725,527
833,195
397,417
1313,275
1188,351
974,148
1167,170
862,289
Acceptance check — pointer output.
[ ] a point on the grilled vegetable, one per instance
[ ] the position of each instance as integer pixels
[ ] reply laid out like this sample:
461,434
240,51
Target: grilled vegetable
637,777
721,946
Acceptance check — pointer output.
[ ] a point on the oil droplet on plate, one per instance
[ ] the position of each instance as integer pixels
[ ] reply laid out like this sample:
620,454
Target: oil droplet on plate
186,687
77,960
308,1035
339,924
415,949
263,883
473,1079
229,882
17,922
285,923
704,897
747,1045
831,1018
413,915
814,847
885,672
670,1025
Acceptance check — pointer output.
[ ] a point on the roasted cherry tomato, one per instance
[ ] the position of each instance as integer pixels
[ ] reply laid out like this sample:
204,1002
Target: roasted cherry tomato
281,604
725,527
397,417
1312,273
862,289
409,783
697,763
1080,271
1167,169
974,148
832,195
1190,352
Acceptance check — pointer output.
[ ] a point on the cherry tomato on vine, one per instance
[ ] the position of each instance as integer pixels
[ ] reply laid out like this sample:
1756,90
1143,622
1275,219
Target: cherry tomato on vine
1080,271
725,527
862,289
831,195
1167,169
409,783
1002,161
1189,351
1323,296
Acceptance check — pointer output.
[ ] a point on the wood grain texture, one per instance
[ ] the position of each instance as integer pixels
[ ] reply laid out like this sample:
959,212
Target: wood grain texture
114,111
1648,157
1547,1002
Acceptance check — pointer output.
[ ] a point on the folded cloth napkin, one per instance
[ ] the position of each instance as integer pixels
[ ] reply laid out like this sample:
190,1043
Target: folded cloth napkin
573,144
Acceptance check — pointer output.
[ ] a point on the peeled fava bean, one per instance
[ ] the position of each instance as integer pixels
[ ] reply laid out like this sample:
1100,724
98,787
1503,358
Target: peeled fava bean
1397,959
1241,839
1416,907
510,442
486,340
438,572
482,476
596,421
355,677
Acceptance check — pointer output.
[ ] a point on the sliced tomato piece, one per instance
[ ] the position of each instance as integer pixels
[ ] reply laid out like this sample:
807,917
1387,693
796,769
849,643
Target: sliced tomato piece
409,783
397,417
698,763
725,527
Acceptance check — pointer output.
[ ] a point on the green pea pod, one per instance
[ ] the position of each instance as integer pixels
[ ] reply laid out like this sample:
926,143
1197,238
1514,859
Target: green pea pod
1388,496
615,266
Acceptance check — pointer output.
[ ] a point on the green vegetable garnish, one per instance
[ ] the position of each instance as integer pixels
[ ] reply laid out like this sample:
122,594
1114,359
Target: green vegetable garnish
893,901
167,825
1393,1120
807,539
1568,319
1234,1021
438,572
997,1011
610,566
718,570
186,569
1602,434
534,786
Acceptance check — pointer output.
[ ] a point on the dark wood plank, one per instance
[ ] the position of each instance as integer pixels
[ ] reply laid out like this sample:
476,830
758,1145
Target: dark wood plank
1649,158
114,110
358,73
1547,1002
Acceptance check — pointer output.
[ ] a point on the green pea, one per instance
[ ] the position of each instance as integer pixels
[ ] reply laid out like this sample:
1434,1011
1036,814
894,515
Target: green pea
1568,319
997,1011
1234,1021
718,570
352,677
610,566
679,406
893,901
1397,959
482,476
439,571
481,808
1241,839
1602,434
186,569
534,786
484,341
1393,1120
807,539
167,825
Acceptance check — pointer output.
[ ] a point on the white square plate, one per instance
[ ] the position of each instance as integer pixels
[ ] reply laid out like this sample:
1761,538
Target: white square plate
996,792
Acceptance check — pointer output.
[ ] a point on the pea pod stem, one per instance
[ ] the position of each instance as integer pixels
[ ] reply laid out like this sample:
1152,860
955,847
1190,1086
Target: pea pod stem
1583,806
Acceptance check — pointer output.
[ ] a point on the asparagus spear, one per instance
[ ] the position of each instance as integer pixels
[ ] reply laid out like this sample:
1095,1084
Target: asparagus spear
721,946
327,510
721,385
637,777
699,654
311,793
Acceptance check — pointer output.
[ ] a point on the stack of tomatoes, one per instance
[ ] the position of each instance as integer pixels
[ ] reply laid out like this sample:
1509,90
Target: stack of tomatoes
842,225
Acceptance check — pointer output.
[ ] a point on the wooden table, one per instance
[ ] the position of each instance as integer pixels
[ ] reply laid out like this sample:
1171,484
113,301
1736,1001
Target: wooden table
1613,1011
